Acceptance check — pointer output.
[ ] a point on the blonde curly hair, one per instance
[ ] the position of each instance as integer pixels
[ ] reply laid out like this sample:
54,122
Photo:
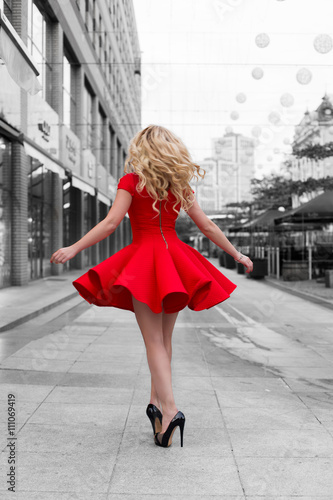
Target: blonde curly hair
162,161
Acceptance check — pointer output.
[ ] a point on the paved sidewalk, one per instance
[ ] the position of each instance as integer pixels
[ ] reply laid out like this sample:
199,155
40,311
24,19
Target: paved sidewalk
253,431
23,303
307,289
19,304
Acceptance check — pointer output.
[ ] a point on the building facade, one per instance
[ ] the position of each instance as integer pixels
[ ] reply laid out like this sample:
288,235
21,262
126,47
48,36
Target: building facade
63,149
235,154
229,172
316,127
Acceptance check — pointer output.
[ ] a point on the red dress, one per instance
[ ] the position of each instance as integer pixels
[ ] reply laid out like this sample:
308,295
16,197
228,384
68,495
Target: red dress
157,266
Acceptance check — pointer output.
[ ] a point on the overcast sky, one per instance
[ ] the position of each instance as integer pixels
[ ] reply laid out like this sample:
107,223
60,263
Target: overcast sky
198,55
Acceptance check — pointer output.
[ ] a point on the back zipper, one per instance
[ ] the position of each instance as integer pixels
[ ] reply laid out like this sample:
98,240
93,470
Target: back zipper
161,225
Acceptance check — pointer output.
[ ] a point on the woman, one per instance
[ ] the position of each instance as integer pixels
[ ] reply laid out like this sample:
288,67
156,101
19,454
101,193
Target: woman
157,275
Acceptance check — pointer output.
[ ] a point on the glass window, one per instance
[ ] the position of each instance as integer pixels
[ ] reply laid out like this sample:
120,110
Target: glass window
87,225
8,10
87,118
112,153
69,95
67,213
100,137
88,16
103,245
5,211
99,38
66,92
36,43
39,219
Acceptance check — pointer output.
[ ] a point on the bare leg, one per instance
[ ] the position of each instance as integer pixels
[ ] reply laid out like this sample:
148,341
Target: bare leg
168,323
150,325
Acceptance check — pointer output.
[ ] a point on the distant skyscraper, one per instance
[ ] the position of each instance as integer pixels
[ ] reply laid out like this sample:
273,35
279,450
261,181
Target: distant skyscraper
229,172
235,155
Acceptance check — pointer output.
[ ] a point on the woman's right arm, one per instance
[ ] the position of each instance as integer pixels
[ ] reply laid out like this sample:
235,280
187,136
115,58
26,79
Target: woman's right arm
214,233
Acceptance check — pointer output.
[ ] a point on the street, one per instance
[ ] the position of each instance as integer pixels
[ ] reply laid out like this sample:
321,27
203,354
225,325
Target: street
221,111
253,376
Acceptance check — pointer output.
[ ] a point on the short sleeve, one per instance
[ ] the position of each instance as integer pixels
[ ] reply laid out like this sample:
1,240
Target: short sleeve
126,182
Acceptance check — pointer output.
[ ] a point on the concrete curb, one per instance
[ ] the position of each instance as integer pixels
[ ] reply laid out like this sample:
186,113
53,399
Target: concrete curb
303,295
36,313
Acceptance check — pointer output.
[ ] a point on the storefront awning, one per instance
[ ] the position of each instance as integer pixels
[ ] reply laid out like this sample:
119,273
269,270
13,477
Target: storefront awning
263,221
319,209
104,199
11,132
15,55
83,186
45,160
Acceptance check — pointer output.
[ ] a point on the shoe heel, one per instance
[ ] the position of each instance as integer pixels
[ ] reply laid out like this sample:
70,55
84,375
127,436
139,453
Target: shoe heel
181,428
155,417
178,420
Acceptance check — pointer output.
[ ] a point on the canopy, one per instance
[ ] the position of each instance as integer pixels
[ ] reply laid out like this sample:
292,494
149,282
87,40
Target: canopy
263,221
319,209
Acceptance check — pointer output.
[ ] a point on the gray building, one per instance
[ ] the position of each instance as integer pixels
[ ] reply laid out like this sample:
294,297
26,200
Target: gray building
316,127
228,172
62,148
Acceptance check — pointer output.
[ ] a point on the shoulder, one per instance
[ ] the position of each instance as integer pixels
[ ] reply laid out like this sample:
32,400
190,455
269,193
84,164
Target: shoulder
128,182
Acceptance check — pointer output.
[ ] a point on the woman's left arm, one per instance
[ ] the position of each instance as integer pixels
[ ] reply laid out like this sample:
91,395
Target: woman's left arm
103,229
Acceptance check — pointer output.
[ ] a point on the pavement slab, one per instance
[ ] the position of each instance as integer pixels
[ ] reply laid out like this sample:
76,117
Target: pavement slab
253,379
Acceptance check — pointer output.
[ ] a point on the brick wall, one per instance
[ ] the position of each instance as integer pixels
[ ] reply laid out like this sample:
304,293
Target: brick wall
19,215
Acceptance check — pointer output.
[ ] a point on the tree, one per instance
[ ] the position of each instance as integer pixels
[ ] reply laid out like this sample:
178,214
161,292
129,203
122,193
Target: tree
272,192
275,190
314,151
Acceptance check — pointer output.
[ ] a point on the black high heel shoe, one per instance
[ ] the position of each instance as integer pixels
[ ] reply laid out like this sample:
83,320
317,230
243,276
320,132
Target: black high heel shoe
166,437
155,416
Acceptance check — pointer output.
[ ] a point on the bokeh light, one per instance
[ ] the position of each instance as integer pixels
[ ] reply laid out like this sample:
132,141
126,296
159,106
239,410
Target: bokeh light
323,43
234,115
287,100
241,97
256,131
257,73
262,40
274,118
304,76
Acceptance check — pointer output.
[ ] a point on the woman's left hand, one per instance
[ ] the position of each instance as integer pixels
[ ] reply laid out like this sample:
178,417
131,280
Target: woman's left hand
63,255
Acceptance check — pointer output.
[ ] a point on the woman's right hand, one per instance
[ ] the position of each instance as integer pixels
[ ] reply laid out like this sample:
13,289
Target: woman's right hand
246,261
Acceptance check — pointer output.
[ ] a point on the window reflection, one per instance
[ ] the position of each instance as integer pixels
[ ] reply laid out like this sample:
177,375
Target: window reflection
36,42
87,117
5,211
39,219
